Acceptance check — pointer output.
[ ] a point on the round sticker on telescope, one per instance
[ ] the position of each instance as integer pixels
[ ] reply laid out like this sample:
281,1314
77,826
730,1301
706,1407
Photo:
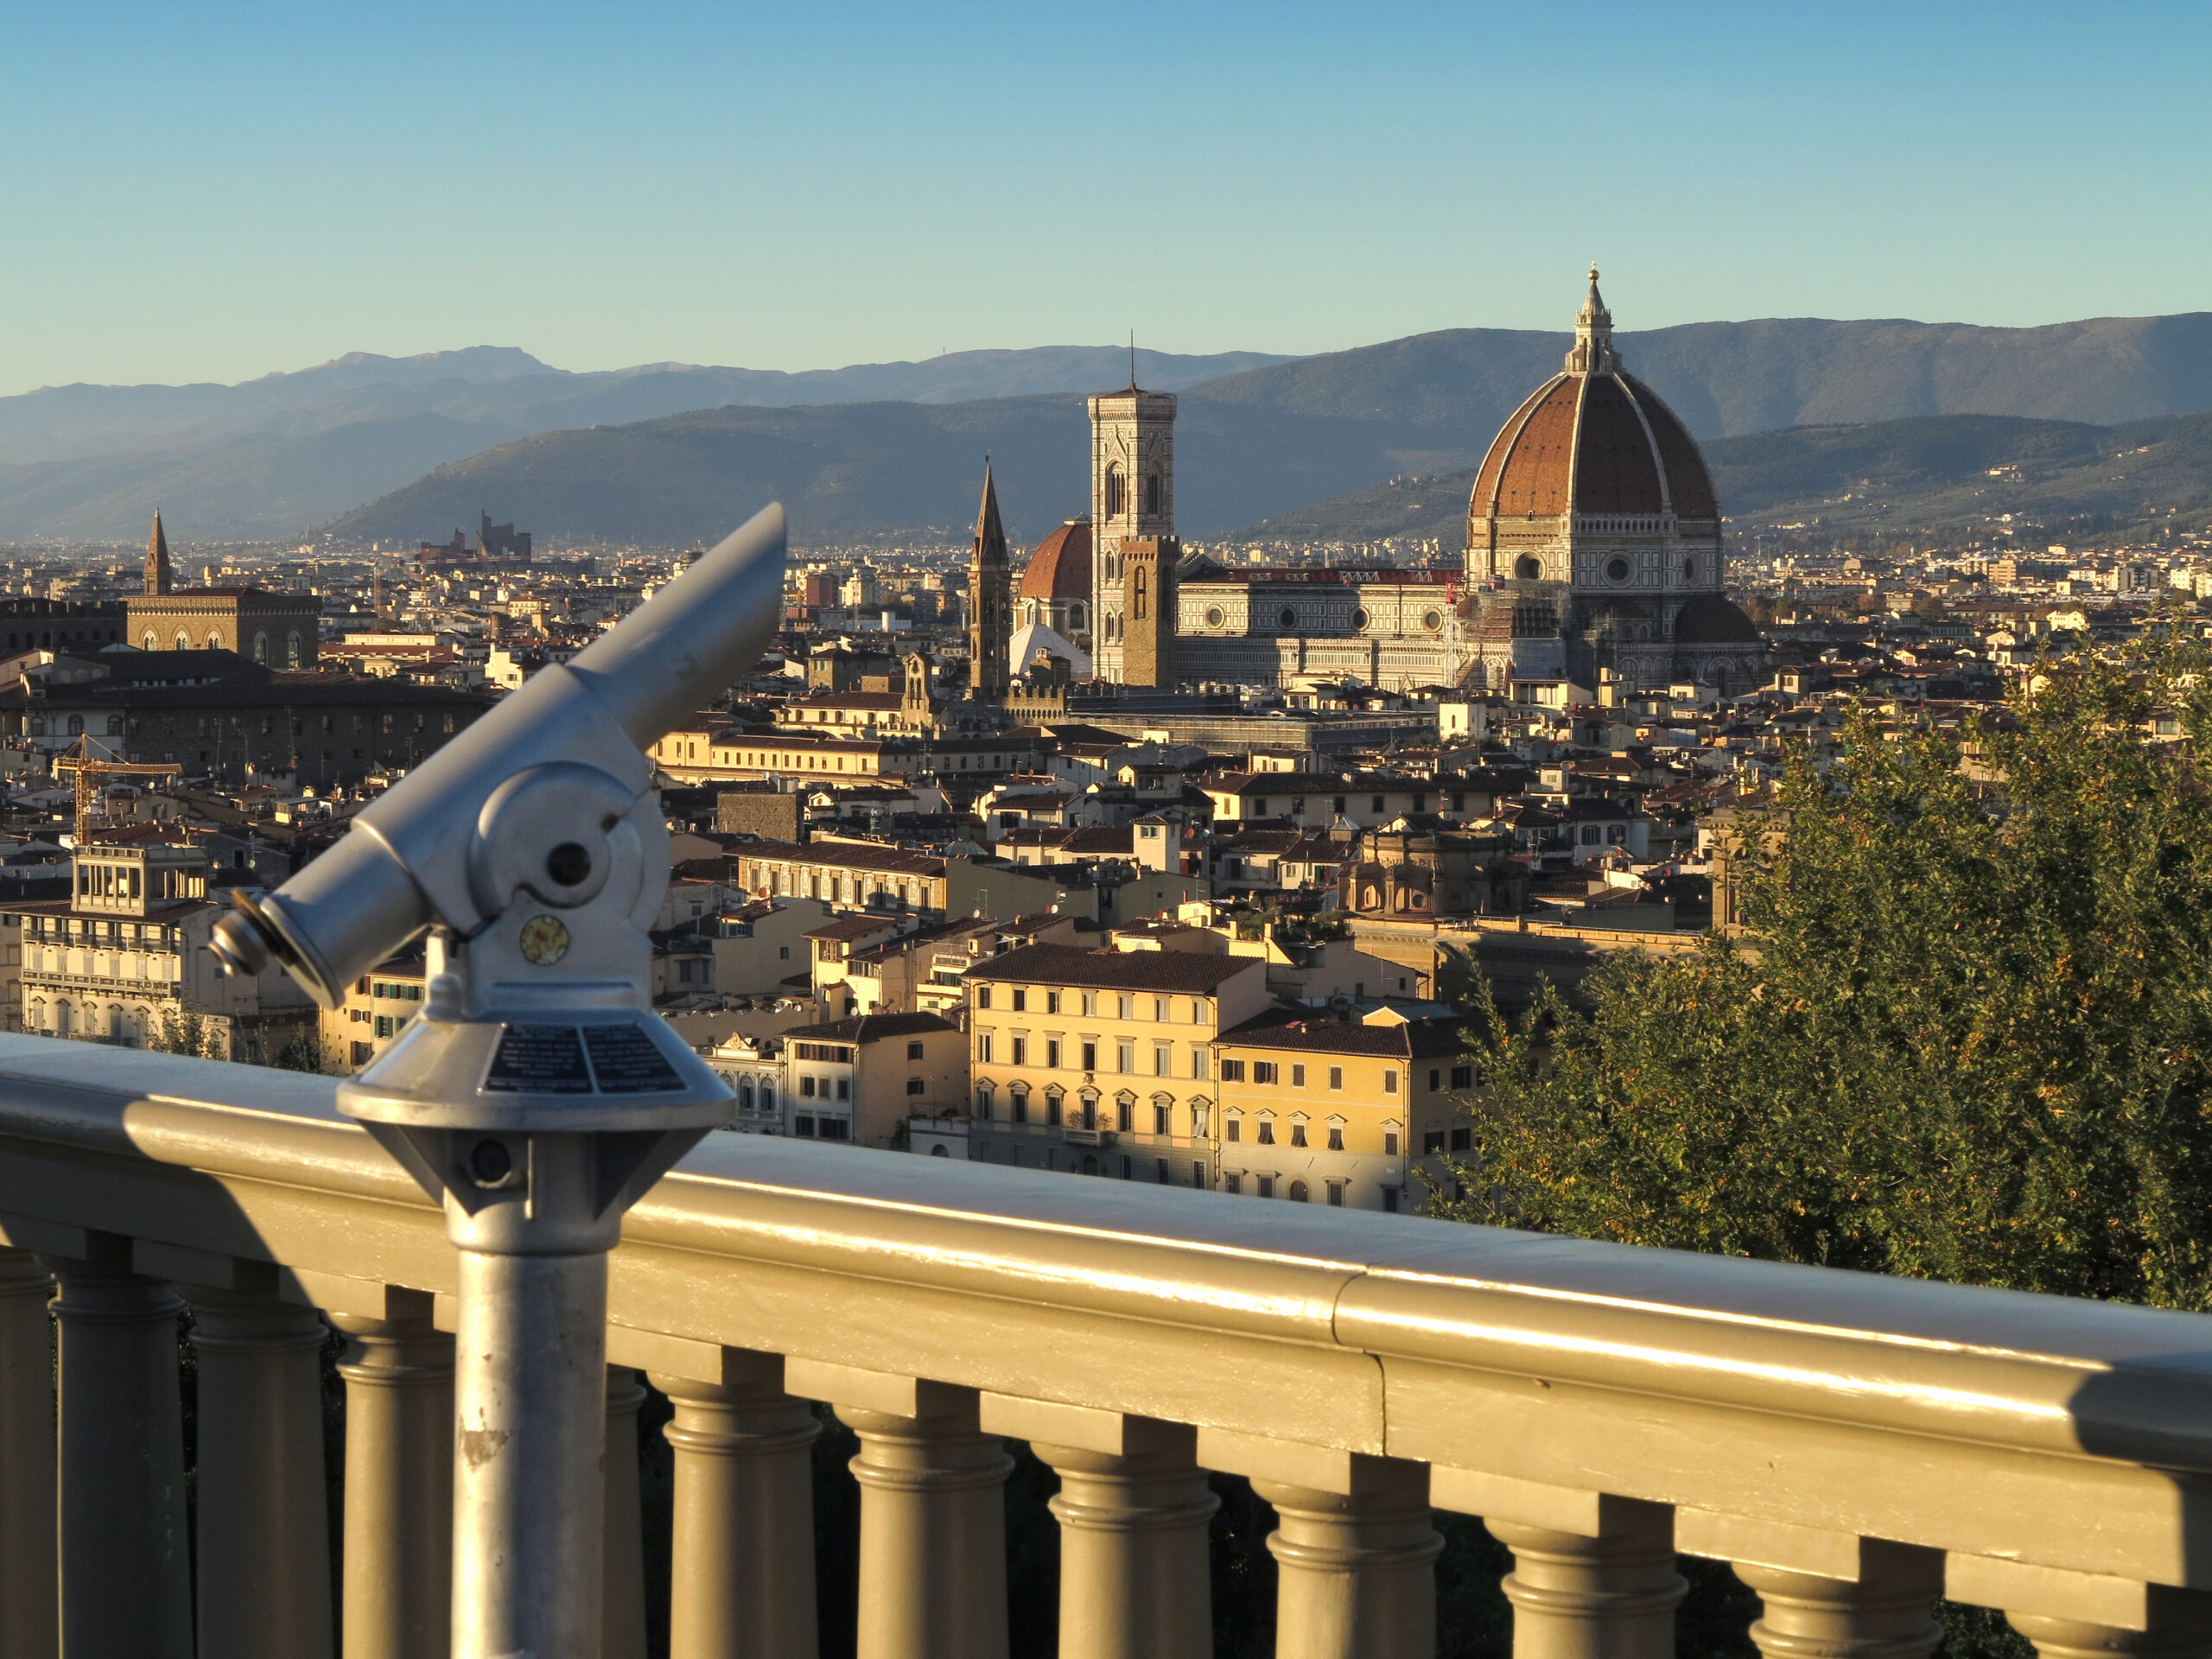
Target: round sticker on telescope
544,940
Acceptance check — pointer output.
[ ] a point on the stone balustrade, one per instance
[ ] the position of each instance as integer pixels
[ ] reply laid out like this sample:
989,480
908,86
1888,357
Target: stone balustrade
1855,1447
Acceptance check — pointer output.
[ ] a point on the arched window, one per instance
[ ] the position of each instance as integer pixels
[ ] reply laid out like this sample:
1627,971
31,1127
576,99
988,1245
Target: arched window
1054,1098
215,639
767,1095
292,649
1137,595
1019,1093
744,1094
1152,493
76,725
147,641
1113,492
260,646
984,1102
115,725
1298,1192
183,641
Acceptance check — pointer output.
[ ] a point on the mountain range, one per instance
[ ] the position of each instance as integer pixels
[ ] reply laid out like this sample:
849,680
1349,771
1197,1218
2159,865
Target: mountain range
671,453
1932,473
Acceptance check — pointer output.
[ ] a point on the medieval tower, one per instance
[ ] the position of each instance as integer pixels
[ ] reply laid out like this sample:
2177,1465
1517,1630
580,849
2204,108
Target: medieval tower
1133,503
990,604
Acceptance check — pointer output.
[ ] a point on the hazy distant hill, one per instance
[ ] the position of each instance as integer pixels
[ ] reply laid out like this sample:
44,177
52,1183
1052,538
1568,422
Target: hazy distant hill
1949,471
271,456
1726,378
274,455
859,471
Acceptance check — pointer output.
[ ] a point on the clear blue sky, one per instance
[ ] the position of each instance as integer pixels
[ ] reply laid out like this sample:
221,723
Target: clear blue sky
214,191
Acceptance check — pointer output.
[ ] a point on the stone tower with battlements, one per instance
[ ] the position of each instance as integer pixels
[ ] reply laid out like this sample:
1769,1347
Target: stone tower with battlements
1131,501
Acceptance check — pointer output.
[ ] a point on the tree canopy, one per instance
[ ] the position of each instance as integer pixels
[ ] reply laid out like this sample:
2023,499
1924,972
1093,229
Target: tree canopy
1965,1034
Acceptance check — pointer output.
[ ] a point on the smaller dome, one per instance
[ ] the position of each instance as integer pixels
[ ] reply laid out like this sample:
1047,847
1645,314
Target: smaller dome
1060,568
1714,619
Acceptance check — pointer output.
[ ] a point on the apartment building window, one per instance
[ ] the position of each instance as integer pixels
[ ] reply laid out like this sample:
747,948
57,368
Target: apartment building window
1232,1183
1161,1114
1199,1111
1125,1112
1051,1001
1126,1054
1199,1052
1091,1004
915,1086
1198,1176
1297,1132
1159,1010
1021,998
1052,1053
1462,1077
1163,1060
1125,1007
806,1086
1336,1076
1089,1114
1462,1139
1390,1199
983,1048
1336,1137
1021,1051
1264,1071
1267,1186
1267,1131
1335,1195
1297,1077
1432,1141
1389,1143
1162,1162
844,1088
913,1050
1090,1057
1018,1094
1390,1080
982,996
1233,1129
1232,1071
1298,1192
1435,1077
1054,1098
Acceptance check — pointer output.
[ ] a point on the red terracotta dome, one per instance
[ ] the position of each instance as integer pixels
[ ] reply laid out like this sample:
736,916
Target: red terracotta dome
1592,438
1060,568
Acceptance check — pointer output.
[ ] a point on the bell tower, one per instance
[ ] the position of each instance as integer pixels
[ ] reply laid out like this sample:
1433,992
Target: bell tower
1132,500
989,602
160,578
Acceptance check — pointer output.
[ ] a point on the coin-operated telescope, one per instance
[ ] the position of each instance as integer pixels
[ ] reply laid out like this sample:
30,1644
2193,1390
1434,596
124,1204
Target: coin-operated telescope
538,1096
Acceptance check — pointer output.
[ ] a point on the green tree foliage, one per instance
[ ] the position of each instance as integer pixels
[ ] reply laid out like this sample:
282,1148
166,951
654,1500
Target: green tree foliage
181,1032
1967,1038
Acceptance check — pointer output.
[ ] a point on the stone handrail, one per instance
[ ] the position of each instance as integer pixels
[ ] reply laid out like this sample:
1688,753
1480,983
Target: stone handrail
1855,1444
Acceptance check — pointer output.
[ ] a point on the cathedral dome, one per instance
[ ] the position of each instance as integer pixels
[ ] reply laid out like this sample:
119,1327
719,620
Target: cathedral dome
1592,438
1714,619
1060,568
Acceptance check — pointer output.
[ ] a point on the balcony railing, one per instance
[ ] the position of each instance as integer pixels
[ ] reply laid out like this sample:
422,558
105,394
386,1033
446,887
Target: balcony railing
1857,1445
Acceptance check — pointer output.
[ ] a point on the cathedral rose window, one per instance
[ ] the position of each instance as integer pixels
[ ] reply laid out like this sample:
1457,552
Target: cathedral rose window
1431,620
1289,619
1618,570
1213,616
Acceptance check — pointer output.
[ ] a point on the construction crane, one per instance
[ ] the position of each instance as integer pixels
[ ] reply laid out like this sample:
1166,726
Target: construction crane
92,761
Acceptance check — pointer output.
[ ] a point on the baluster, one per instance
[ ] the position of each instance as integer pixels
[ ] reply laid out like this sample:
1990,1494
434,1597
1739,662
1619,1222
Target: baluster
1887,1612
29,1626
125,1567
399,1372
1355,1570
622,1614
1133,1569
1611,1595
2071,1638
264,1529
742,1583
932,1529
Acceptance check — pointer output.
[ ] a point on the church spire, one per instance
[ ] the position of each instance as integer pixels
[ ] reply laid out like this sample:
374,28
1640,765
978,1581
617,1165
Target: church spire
1593,351
990,601
989,533
159,579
